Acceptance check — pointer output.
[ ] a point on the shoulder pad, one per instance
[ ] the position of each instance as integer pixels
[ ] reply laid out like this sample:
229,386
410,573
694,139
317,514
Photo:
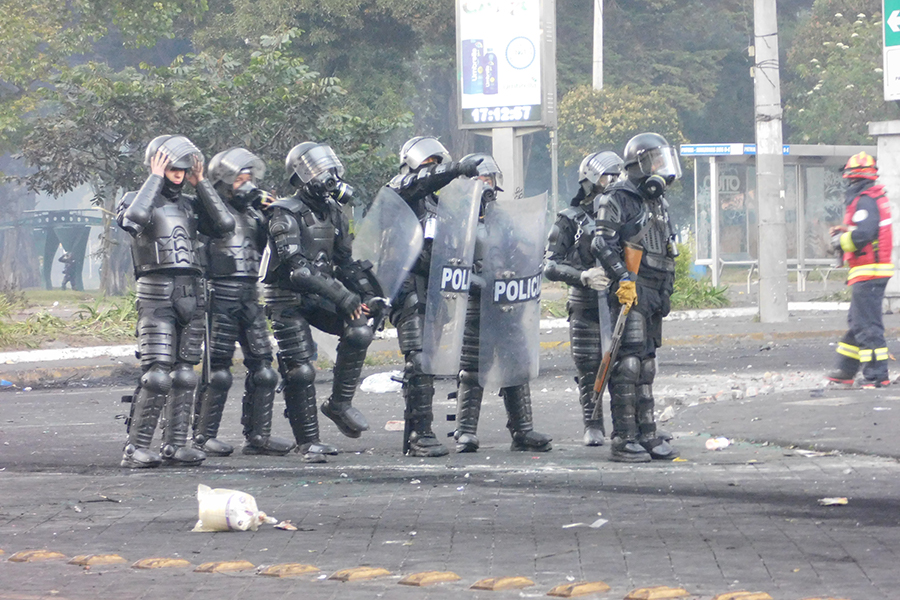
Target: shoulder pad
126,199
291,203
396,181
572,212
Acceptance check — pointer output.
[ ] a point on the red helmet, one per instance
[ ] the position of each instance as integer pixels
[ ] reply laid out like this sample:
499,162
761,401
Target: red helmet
860,166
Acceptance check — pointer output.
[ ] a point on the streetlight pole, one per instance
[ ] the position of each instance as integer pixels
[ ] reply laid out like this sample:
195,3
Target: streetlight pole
598,45
773,283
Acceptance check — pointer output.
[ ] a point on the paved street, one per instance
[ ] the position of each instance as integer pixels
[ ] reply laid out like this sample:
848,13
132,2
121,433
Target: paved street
747,517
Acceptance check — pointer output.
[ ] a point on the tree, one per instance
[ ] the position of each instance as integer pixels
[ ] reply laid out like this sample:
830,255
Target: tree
835,85
262,99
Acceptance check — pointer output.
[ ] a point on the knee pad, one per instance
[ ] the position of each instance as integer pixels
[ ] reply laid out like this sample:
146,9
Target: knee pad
358,336
413,365
648,371
265,378
157,380
468,377
627,370
220,379
184,377
302,374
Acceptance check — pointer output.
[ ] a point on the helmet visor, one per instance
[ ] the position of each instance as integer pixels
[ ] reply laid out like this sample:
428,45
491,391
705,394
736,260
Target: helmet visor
660,161
317,160
236,161
491,172
181,151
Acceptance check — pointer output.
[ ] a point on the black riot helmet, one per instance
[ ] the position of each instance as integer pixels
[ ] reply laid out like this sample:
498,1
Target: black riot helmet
315,168
651,163
598,170
488,172
226,166
180,149
419,149
224,169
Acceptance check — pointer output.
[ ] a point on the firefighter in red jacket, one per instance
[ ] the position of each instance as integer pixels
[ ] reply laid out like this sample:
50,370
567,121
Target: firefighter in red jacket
865,239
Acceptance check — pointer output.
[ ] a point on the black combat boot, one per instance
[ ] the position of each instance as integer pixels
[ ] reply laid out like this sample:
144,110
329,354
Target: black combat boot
624,446
594,431
259,396
419,393
517,400
143,420
347,368
658,447
300,400
468,408
175,451
211,404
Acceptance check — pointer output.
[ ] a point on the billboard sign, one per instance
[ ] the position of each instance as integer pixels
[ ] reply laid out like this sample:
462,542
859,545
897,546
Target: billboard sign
891,49
505,50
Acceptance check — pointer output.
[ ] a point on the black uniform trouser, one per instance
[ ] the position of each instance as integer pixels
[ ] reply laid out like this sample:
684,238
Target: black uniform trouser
631,380
863,344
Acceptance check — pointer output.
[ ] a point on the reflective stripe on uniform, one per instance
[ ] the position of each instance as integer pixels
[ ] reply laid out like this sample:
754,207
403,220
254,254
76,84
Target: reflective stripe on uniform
865,355
881,354
873,270
848,350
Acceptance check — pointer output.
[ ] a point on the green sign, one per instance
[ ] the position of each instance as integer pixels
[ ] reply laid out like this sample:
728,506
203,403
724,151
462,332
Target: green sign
891,23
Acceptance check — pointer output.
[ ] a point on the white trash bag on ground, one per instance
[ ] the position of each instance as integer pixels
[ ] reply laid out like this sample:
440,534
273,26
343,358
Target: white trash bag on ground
228,510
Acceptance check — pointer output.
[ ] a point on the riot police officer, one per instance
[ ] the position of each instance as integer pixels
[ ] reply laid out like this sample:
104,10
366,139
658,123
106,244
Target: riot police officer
235,314
469,393
569,260
633,223
164,225
425,168
311,279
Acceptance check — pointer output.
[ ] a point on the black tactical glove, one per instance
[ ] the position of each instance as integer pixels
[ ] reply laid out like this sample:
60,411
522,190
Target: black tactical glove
469,167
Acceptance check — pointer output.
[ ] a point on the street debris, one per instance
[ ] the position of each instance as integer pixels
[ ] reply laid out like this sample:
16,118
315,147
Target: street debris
599,523
717,443
837,501
394,426
286,525
228,510
382,383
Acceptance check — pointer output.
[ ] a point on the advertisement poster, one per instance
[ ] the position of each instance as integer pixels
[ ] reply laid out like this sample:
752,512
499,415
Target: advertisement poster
500,62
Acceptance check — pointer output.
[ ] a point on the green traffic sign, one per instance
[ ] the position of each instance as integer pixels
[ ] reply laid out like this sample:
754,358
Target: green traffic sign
891,23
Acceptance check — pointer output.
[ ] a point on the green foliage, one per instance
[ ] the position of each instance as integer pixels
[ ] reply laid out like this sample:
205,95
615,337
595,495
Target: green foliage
103,319
834,86
264,99
693,293
592,120
39,38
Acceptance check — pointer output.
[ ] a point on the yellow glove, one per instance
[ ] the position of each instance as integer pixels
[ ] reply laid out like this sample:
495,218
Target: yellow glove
627,293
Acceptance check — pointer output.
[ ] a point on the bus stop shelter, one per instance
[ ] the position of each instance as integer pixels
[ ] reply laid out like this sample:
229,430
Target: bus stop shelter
726,215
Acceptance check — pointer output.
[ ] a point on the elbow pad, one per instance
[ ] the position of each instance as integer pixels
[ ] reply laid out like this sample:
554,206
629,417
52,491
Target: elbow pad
141,208
608,259
222,220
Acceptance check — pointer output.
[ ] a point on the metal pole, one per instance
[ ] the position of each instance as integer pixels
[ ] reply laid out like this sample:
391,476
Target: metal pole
714,218
598,45
554,168
773,275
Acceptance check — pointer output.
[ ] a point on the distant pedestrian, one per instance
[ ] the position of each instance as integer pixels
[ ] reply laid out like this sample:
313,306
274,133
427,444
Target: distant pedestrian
68,262
865,238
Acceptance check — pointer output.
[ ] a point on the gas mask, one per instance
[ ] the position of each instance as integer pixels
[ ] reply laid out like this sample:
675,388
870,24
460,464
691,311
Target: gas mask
342,193
654,186
247,194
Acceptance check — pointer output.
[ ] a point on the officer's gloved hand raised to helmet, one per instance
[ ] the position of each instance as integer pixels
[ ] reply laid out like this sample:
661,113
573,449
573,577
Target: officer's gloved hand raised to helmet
469,167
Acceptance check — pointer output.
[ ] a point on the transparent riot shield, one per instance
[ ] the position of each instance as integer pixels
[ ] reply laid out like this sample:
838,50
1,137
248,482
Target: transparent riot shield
390,238
511,298
449,275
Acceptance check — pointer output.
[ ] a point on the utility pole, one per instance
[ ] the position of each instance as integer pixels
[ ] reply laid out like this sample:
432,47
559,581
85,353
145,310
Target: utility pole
773,280
598,45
